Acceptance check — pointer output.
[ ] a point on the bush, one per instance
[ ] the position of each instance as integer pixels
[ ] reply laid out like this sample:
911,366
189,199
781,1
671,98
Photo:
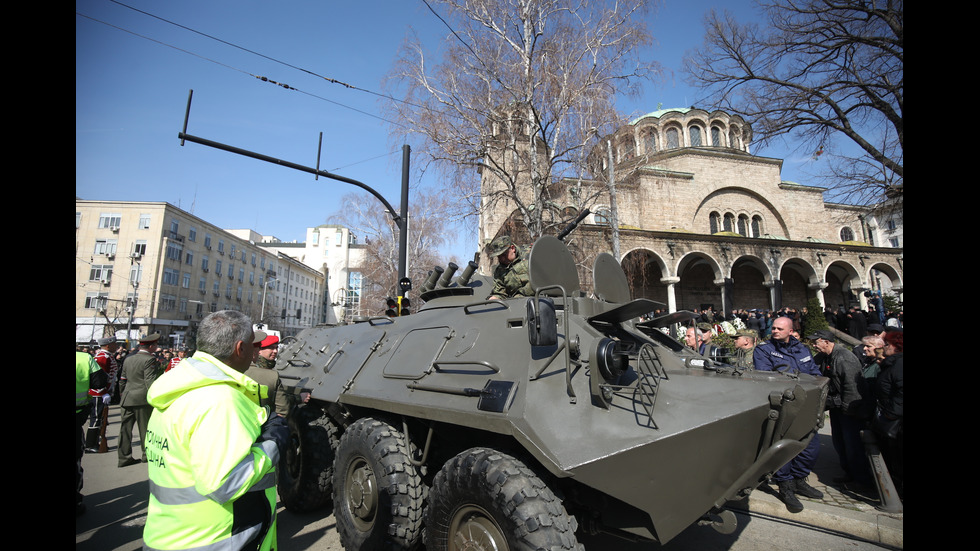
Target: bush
814,319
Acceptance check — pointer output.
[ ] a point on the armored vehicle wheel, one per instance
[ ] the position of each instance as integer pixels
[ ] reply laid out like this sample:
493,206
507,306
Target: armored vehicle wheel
306,470
378,494
483,500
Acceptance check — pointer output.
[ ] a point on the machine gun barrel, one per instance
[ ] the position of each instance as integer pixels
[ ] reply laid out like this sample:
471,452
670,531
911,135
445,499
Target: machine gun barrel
568,229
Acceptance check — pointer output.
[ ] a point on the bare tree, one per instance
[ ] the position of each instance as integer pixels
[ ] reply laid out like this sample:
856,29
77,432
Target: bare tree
821,70
521,89
427,232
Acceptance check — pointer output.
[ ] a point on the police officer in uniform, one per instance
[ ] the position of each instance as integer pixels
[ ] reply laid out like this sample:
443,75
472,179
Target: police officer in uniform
783,352
212,448
510,277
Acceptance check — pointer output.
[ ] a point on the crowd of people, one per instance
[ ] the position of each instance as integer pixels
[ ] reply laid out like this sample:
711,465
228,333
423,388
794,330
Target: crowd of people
866,383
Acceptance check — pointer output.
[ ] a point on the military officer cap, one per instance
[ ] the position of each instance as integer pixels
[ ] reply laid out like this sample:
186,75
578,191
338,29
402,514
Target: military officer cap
106,341
500,244
705,327
149,338
747,333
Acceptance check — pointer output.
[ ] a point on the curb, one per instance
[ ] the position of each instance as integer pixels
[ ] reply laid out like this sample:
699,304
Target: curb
874,526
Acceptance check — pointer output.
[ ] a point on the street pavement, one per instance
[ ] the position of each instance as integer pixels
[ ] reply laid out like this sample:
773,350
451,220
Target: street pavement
116,500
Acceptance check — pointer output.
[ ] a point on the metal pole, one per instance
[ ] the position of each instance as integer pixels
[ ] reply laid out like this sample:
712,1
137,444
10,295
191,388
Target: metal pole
403,223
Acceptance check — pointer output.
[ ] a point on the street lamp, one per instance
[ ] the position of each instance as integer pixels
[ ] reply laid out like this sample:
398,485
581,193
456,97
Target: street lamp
265,291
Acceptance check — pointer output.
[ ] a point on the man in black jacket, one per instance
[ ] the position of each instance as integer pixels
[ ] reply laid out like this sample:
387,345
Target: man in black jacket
849,408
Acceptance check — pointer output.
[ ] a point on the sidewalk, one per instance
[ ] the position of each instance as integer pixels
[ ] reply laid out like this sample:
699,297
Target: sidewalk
839,511
116,500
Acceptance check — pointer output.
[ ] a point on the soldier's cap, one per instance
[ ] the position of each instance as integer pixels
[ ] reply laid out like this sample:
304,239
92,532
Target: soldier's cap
705,327
150,338
751,333
258,338
269,341
500,244
822,334
107,341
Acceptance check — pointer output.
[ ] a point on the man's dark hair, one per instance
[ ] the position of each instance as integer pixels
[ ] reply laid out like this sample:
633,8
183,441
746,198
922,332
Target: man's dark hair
219,332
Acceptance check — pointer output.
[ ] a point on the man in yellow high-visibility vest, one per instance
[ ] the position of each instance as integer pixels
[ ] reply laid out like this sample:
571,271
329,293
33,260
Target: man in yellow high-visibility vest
212,449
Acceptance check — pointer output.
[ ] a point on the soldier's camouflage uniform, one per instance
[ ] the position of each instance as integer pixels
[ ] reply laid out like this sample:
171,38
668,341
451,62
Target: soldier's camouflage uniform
512,281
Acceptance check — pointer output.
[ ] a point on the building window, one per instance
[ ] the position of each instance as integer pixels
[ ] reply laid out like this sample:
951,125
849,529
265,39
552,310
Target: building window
110,220
174,250
96,300
602,216
135,274
192,234
650,142
168,303
100,272
204,263
202,285
221,246
189,259
716,136
105,246
673,138
216,288
743,225
186,282
756,226
715,221
894,242
217,267
695,132
253,259
729,222
241,275
207,241
171,276
144,223
846,234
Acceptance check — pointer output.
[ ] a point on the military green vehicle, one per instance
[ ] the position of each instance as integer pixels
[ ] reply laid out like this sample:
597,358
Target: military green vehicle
524,423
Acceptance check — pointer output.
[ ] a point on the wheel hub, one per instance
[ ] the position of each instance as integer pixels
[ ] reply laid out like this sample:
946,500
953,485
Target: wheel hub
362,494
473,529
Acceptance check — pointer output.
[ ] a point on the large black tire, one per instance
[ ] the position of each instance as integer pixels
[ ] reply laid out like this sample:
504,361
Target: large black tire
483,500
378,494
306,470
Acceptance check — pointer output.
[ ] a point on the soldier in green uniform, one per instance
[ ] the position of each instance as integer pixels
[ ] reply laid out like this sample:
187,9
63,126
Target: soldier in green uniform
744,349
510,277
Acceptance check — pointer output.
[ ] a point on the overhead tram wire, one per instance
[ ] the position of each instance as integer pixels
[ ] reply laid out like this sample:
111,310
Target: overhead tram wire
225,65
274,60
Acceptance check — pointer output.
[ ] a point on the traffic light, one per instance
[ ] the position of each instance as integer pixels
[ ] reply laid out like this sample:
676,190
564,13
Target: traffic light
391,307
404,306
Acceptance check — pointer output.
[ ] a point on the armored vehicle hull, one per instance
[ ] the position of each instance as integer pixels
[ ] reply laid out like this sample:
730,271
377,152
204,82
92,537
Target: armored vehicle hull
516,423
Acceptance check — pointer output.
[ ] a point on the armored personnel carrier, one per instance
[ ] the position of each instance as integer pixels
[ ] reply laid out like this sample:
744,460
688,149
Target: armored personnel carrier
523,423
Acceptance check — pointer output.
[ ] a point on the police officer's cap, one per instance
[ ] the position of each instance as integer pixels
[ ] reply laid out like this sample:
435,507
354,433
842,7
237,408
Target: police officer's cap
500,244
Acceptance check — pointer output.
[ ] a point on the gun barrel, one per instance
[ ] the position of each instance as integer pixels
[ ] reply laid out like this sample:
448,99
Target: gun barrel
578,220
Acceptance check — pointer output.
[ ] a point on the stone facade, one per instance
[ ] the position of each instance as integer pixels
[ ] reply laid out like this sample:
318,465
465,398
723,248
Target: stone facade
704,222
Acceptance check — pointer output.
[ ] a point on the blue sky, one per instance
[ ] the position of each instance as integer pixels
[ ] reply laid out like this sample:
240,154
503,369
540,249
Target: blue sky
133,73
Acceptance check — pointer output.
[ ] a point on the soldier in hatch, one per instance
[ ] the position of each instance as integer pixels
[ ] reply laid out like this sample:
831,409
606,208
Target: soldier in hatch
510,277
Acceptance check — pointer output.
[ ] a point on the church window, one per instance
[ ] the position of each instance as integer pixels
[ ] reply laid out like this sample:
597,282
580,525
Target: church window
729,221
756,226
673,138
846,234
716,136
715,221
650,142
743,225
